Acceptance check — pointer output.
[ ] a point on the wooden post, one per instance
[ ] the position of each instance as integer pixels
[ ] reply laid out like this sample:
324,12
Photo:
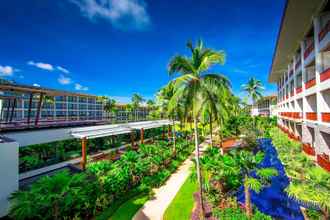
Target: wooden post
133,139
83,153
38,109
169,132
8,108
30,107
142,135
12,110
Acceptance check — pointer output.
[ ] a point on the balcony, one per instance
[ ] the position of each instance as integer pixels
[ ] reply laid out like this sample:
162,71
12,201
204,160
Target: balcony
310,83
308,149
324,31
324,161
297,64
291,73
325,116
311,116
298,90
325,75
309,50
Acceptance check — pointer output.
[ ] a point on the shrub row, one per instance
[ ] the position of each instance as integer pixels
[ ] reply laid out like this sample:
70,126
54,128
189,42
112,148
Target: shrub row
84,195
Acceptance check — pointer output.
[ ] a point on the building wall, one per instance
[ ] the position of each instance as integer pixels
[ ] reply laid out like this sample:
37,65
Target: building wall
304,89
8,172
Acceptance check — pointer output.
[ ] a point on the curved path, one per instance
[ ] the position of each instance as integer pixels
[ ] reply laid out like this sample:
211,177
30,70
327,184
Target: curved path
154,209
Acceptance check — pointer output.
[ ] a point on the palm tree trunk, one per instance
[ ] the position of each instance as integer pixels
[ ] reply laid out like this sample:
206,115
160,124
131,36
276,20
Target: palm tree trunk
304,213
211,129
325,214
198,170
174,139
247,195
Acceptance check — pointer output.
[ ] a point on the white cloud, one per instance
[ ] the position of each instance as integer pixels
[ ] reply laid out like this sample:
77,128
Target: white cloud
7,70
77,86
36,85
44,66
123,14
236,70
63,80
63,70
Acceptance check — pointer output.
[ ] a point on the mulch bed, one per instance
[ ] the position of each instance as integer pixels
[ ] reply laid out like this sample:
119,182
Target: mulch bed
195,215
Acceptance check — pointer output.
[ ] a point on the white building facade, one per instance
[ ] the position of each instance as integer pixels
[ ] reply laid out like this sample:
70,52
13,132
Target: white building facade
301,70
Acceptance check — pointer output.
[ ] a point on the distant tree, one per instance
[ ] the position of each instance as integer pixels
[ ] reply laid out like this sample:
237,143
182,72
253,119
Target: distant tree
254,89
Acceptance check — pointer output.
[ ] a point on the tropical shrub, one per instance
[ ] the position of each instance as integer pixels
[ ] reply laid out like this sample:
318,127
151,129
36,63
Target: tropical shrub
309,184
237,213
69,196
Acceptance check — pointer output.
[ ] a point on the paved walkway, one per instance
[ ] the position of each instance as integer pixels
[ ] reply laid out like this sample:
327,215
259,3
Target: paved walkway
154,209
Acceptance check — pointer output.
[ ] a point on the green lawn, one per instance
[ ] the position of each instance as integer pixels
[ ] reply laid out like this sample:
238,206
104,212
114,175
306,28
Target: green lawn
128,209
182,205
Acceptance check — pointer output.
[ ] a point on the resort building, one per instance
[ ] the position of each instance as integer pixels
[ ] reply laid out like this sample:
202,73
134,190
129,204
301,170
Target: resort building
24,106
266,106
301,70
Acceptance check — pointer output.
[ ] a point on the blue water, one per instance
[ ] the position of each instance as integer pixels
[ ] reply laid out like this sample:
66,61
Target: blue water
273,200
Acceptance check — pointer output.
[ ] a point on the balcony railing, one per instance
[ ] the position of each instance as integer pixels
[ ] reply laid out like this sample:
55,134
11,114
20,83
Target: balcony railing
311,116
291,73
325,75
297,64
310,83
324,31
324,161
325,116
308,149
308,51
298,90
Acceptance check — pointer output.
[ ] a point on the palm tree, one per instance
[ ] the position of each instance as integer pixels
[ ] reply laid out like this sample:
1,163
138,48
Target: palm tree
151,104
248,162
254,89
192,87
110,106
136,101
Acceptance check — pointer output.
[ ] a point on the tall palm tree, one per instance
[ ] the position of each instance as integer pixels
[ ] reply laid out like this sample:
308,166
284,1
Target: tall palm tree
192,87
254,89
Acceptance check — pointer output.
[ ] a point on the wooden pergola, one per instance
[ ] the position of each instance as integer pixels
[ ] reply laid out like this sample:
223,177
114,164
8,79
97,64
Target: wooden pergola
109,130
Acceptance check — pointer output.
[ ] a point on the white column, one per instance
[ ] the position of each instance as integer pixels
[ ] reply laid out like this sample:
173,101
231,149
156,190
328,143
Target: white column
8,173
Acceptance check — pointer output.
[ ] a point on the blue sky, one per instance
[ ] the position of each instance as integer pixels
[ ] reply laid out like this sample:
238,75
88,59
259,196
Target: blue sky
120,47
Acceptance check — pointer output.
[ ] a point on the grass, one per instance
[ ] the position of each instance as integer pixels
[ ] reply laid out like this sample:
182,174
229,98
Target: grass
123,200
128,209
183,203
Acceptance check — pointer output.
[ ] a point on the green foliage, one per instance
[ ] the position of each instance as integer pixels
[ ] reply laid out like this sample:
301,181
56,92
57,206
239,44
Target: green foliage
68,196
309,183
237,213
56,197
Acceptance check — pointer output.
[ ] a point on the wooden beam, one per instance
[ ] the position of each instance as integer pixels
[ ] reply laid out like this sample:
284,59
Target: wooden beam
142,135
132,139
39,109
7,111
83,153
169,132
30,107
12,110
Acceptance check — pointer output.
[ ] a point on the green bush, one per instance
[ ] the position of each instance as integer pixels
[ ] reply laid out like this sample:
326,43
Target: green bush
84,195
237,213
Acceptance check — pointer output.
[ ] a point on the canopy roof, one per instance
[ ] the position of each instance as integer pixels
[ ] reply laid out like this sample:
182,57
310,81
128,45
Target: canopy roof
110,130
296,22
35,89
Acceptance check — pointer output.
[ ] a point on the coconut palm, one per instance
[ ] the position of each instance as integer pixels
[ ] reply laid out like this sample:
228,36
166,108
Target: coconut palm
110,106
192,86
254,89
248,162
